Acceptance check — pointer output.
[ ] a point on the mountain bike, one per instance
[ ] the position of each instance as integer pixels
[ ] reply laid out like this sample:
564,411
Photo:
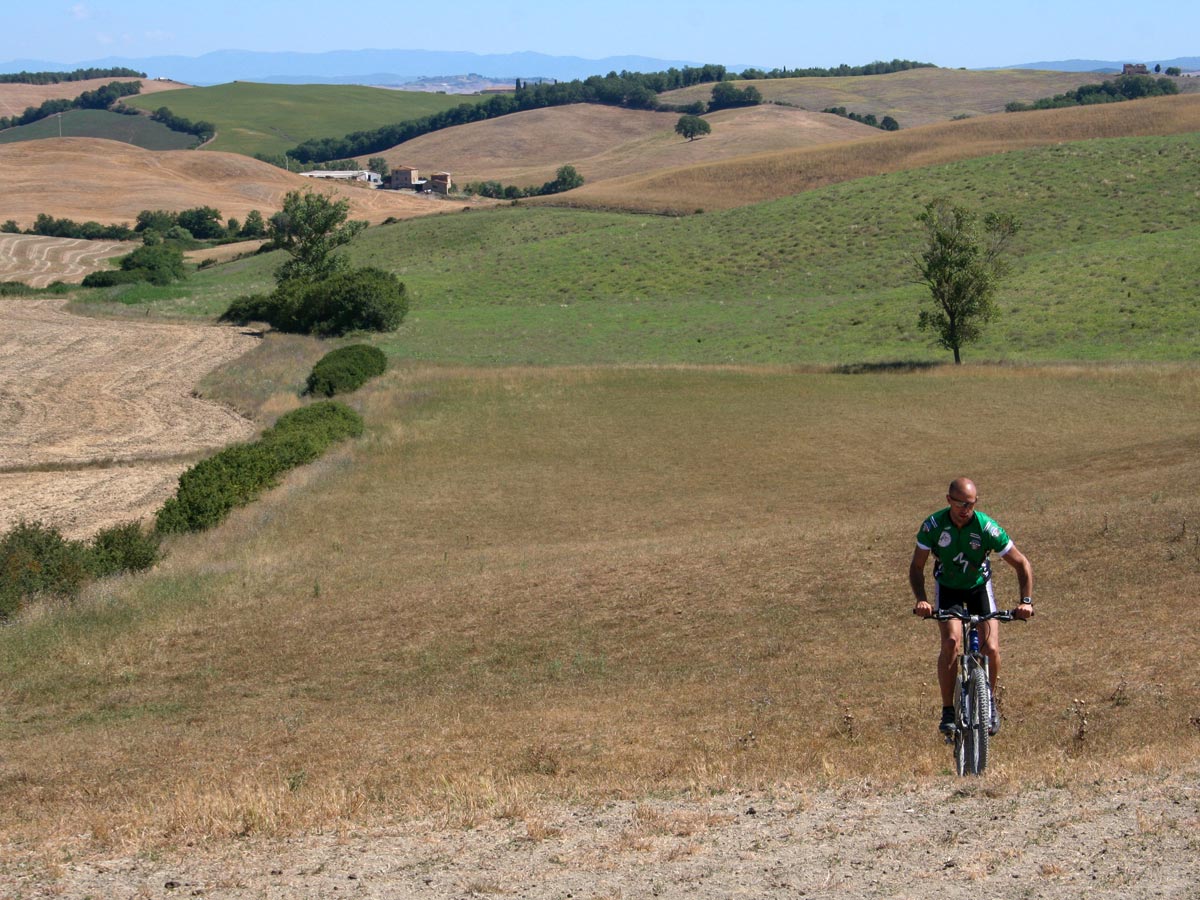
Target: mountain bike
972,692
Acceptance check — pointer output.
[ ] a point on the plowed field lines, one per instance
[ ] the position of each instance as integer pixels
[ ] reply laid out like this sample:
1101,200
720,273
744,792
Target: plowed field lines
97,417
38,261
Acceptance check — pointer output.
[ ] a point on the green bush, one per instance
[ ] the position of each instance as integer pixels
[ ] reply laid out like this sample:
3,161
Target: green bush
162,264
36,559
359,300
209,490
345,369
15,289
122,548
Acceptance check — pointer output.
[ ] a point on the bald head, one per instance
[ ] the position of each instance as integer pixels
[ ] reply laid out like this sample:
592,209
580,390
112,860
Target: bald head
963,487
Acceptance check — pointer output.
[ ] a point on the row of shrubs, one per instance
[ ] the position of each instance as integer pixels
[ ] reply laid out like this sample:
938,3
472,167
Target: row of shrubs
36,560
367,299
345,369
159,264
213,487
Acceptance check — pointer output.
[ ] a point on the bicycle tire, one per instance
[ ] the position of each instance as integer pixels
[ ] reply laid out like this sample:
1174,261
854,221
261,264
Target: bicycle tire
962,709
979,720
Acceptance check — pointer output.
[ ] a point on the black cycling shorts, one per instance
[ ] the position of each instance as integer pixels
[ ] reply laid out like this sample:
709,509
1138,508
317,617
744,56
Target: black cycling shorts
977,601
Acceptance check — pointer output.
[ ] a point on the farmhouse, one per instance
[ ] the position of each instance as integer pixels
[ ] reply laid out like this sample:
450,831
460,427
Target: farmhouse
346,175
1135,69
405,178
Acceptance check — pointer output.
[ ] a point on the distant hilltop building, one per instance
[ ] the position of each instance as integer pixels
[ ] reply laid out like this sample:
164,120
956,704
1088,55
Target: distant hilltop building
1135,69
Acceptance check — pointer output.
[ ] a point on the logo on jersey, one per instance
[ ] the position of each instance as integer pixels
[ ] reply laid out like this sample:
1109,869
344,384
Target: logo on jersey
993,529
976,542
945,539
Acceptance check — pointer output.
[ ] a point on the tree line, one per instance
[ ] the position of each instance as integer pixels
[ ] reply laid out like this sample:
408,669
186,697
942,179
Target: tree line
565,179
887,123
875,68
77,75
633,90
1115,90
101,98
202,129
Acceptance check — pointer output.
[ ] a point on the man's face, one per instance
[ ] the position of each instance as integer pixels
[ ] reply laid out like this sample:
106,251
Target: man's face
962,506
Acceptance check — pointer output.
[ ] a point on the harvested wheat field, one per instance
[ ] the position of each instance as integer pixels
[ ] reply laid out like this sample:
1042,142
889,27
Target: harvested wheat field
111,182
37,261
98,416
16,98
767,176
605,142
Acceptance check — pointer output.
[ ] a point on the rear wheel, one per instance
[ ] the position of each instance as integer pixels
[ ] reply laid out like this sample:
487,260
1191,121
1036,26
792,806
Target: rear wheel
975,739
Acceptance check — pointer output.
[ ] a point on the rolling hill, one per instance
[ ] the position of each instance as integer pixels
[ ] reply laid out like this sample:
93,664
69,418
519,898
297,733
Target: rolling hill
753,179
106,181
606,142
100,123
917,96
270,118
15,98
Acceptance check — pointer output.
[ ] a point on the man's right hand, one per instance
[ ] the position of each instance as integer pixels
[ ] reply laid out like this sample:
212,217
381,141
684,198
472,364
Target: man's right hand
923,609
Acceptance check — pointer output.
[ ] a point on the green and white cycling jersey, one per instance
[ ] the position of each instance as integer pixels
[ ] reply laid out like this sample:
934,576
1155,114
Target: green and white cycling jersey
961,554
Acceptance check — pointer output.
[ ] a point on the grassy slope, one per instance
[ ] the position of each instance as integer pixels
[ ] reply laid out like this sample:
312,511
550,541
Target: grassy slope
1104,269
752,179
98,123
271,118
588,583
918,96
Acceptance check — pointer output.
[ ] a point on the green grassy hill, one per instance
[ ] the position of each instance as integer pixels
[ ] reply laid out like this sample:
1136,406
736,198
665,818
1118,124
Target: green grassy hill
271,118
1104,269
99,123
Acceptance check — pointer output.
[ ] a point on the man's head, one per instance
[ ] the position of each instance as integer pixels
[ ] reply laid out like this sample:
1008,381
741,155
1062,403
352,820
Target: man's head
962,497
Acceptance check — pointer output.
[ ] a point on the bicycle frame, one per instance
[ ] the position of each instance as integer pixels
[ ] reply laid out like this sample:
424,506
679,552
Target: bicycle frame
972,692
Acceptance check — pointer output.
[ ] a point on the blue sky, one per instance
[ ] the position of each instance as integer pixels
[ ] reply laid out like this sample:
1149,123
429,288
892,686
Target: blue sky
767,32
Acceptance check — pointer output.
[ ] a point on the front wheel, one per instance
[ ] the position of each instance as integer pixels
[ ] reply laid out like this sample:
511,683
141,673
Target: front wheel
979,717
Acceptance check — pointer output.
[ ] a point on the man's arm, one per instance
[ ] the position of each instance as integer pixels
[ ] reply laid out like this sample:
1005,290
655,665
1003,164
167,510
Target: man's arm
916,580
1017,560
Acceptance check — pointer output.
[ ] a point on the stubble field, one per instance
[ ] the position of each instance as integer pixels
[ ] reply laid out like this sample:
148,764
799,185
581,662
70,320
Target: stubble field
526,595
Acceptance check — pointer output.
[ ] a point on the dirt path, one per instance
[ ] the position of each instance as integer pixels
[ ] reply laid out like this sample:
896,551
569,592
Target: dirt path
97,418
950,839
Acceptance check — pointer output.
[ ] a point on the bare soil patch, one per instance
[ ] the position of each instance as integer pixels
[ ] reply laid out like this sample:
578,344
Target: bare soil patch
16,98
606,142
98,416
39,261
957,839
111,182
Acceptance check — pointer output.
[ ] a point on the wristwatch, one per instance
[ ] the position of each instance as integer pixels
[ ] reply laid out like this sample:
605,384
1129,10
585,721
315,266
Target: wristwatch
1026,601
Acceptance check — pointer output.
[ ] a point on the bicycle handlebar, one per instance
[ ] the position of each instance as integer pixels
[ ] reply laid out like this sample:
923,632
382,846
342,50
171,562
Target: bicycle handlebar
1000,615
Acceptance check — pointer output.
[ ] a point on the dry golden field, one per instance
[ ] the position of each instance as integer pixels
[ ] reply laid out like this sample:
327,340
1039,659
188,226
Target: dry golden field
917,96
37,261
766,176
111,182
16,98
605,142
525,586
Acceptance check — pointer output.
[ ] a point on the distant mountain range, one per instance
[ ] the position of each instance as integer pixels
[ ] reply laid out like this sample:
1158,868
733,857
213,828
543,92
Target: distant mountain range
1186,63
399,67
390,67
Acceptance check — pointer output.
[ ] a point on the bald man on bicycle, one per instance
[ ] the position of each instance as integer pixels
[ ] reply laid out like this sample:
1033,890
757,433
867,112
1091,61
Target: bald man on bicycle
961,538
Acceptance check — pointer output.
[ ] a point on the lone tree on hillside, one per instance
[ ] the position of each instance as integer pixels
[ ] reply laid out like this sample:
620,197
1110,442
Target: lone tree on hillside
692,127
961,263
310,227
